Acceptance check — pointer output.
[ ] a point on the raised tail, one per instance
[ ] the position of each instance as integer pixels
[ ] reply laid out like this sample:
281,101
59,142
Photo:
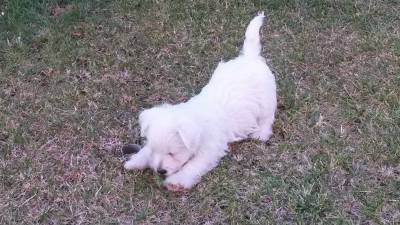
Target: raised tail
252,44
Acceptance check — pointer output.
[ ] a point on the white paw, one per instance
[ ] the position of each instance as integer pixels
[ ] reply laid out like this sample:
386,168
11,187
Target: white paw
135,163
175,188
179,183
262,135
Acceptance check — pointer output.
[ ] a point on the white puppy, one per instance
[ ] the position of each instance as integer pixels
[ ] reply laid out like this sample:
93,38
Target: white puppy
187,140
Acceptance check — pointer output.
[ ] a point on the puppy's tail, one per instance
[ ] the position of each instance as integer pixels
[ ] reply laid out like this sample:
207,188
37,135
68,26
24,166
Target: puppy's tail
252,44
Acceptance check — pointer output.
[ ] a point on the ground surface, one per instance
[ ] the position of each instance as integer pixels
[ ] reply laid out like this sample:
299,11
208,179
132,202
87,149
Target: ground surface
75,74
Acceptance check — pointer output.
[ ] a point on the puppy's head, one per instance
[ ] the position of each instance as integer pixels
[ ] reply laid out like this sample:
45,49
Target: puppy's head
171,137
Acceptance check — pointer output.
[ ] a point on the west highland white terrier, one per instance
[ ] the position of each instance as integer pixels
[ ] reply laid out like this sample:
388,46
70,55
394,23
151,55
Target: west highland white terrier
186,140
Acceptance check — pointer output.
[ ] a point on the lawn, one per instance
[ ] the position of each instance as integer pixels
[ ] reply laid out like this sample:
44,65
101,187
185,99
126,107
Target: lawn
75,74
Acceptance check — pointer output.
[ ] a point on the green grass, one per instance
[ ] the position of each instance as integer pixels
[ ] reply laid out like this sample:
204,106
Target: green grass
73,82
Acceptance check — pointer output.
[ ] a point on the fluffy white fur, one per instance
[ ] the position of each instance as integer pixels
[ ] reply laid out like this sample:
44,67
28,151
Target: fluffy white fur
187,140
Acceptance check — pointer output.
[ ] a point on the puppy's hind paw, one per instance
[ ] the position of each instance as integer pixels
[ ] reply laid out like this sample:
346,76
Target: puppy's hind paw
263,134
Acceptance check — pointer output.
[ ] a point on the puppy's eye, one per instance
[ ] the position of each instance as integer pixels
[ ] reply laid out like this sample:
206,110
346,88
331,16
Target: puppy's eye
170,154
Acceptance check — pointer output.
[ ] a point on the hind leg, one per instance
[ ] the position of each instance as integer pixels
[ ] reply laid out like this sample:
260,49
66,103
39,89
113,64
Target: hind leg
264,130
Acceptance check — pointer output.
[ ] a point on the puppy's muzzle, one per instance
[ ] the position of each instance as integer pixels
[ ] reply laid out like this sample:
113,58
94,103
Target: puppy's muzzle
162,173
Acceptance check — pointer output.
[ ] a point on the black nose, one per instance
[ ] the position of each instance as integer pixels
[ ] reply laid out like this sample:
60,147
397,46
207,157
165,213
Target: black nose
161,171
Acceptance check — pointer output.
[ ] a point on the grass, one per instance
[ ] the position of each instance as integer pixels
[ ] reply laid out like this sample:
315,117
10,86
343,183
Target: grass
75,74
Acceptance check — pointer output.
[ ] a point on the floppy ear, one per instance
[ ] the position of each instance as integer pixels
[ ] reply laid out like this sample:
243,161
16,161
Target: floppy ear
149,115
145,119
190,134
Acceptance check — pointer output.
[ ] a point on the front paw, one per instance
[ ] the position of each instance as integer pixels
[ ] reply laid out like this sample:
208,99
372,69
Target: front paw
179,183
175,188
135,163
